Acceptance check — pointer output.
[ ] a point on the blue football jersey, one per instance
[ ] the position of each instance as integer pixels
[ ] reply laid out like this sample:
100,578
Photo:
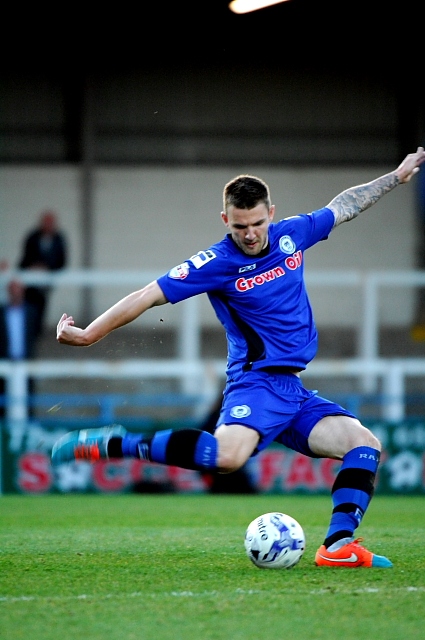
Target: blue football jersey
260,300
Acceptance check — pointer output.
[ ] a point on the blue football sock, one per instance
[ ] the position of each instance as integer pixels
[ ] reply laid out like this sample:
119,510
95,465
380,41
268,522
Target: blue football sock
352,492
186,448
130,445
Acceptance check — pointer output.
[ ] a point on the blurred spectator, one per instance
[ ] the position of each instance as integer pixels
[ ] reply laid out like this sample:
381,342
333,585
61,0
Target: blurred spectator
4,266
18,329
44,249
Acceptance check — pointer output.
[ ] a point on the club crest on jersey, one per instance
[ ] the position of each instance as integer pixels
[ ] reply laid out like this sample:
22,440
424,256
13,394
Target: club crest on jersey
180,272
240,411
287,245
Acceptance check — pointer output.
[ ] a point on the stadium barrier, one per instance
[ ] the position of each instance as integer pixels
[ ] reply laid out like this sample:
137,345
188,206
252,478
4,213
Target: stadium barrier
26,468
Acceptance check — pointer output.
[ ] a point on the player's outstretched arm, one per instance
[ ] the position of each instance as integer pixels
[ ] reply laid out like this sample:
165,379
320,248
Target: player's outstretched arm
348,204
123,312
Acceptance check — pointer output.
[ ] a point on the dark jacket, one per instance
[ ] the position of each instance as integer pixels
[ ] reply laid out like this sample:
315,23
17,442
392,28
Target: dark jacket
31,320
54,258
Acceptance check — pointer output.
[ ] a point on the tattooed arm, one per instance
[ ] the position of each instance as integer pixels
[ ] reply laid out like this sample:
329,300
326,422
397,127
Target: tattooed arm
348,204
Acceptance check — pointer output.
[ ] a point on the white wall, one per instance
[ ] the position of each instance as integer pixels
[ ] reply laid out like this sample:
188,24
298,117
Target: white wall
154,218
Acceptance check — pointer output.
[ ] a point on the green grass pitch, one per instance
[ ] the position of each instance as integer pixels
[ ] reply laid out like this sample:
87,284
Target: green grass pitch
173,567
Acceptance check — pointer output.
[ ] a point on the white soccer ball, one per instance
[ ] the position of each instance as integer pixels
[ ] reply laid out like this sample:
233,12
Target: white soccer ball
274,541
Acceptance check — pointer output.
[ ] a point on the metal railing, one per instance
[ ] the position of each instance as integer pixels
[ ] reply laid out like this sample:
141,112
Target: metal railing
203,378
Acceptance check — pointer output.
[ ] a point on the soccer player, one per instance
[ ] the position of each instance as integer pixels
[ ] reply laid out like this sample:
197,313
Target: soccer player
254,280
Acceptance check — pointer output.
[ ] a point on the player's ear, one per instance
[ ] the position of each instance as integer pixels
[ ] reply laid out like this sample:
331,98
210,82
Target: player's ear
225,218
272,212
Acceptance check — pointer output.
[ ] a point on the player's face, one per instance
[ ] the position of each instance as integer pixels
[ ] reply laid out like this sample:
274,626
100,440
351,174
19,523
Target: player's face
249,227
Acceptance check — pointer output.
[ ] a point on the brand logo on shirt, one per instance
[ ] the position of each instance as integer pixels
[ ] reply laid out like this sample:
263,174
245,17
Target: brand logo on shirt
287,245
249,267
180,272
243,284
291,263
240,411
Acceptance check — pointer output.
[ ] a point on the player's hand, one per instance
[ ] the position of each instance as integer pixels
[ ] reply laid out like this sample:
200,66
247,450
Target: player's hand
410,165
67,333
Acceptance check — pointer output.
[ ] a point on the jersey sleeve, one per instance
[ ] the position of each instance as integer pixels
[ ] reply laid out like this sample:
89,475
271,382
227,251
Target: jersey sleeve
201,273
313,227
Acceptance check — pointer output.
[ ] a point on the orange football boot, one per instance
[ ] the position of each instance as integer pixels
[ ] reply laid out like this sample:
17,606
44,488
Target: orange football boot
350,555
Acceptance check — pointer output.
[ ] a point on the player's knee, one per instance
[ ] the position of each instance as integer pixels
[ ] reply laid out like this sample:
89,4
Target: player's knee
373,441
228,462
335,436
236,443
363,437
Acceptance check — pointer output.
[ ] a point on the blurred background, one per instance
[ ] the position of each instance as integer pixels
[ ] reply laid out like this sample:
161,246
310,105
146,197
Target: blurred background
125,123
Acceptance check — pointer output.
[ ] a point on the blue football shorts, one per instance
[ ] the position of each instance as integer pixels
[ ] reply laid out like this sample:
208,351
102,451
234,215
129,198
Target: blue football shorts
277,406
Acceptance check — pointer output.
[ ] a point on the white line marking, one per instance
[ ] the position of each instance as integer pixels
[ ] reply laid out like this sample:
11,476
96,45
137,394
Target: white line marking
201,594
